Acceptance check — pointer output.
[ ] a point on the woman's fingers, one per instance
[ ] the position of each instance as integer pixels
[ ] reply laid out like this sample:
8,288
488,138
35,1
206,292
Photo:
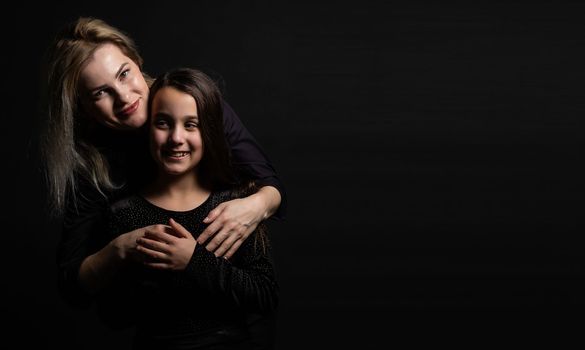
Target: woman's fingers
214,226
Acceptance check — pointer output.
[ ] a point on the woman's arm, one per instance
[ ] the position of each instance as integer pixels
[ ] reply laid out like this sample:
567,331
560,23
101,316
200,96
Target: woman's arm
98,270
82,222
249,158
234,221
231,223
87,256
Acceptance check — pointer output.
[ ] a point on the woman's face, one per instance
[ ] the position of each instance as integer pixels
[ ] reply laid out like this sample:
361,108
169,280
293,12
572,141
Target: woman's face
113,90
175,140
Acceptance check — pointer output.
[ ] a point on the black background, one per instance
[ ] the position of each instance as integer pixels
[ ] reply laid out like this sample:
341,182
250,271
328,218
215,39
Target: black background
432,155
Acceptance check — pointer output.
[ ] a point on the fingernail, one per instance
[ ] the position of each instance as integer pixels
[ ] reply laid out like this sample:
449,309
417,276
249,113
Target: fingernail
206,219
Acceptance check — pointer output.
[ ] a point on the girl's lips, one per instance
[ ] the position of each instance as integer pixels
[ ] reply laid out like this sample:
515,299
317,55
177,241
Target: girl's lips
175,155
129,110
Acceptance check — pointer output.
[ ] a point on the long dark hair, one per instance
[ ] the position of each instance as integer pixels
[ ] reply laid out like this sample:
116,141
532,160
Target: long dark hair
216,170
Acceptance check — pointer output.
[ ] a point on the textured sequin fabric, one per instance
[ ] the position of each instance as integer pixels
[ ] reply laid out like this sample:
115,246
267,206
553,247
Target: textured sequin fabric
207,302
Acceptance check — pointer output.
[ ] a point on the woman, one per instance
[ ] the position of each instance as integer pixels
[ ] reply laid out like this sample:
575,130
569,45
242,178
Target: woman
192,173
93,149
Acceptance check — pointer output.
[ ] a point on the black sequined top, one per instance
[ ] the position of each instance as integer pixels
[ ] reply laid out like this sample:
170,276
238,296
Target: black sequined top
208,301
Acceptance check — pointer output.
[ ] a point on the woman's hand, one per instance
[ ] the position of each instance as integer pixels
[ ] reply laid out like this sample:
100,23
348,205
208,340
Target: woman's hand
125,245
232,222
169,249
98,270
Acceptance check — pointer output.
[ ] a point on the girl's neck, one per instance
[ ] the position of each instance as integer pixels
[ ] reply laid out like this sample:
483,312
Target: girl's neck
177,193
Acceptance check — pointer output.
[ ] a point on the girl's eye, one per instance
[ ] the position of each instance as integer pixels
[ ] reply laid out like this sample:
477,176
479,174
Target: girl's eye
191,125
161,123
125,73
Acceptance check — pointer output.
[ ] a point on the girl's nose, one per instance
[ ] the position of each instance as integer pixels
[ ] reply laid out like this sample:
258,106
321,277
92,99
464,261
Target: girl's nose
177,135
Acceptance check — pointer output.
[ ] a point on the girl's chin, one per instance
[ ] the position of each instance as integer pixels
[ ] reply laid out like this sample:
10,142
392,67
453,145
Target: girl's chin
175,171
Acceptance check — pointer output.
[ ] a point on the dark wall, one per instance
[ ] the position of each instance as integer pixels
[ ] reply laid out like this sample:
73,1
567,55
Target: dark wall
432,155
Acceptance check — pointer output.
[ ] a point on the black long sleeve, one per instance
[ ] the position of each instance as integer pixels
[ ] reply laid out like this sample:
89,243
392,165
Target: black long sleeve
250,284
209,292
81,230
249,158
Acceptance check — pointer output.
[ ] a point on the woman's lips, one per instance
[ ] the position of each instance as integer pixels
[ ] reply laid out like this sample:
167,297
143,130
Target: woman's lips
129,110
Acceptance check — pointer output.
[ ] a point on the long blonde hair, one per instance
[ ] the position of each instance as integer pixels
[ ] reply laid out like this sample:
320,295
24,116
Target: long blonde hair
66,152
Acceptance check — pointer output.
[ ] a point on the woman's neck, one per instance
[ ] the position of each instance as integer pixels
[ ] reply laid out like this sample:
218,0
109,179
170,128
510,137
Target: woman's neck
177,193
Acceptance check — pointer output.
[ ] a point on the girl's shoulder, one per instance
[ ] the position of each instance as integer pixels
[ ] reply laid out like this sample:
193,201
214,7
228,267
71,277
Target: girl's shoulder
129,203
236,191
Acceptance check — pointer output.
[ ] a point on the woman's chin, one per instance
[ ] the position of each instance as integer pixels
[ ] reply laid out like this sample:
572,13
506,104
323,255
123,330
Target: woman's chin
135,122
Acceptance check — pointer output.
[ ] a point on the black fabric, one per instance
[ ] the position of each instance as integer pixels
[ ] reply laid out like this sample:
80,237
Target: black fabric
249,159
212,301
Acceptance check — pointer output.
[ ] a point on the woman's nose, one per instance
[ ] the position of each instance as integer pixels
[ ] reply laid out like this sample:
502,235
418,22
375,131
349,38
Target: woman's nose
122,96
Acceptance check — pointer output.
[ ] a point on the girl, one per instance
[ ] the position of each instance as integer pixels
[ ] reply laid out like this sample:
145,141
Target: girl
201,300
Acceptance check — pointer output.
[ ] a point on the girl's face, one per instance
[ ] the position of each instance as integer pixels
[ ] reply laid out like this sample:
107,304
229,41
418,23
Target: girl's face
175,141
113,90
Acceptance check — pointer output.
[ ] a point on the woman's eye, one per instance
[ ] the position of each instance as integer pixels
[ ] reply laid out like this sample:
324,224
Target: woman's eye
99,93
191,125
125,73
